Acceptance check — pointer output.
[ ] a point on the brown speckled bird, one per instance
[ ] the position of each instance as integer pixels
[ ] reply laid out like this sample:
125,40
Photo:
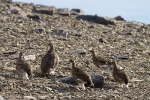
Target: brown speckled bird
49,61
80,76
118,74
23,68
99,62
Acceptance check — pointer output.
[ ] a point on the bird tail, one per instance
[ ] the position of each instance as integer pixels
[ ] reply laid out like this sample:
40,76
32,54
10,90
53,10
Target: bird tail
126,82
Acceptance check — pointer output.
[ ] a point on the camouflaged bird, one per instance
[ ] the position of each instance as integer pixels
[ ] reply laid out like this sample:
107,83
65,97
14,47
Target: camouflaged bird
23,68
118,74
49,61
80,76
99,62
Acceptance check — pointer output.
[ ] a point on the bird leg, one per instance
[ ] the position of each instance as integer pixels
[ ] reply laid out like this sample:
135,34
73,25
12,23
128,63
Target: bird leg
127,85
25,75
81,85
52,71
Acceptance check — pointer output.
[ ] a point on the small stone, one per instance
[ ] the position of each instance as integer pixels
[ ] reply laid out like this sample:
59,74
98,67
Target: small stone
79,51
102,40
29,57
1,98
60,33
78,35
39,30
42,97
29,98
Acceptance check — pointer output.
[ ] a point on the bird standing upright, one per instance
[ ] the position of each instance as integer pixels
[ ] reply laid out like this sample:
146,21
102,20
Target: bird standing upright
49,61
99,62
118,74
23,68
80,76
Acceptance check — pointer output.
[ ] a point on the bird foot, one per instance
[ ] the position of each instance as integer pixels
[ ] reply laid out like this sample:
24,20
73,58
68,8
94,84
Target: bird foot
25,76
52,72
82,86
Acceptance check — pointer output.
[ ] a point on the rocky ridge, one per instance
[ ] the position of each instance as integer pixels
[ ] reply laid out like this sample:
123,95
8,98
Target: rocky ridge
28,27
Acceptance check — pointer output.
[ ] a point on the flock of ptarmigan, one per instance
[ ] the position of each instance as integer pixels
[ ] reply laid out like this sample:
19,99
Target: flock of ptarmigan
50,60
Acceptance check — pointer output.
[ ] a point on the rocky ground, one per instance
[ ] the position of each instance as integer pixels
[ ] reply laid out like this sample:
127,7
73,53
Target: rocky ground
28,28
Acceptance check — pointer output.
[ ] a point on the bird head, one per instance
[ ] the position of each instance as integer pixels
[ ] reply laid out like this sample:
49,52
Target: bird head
50,44
111,64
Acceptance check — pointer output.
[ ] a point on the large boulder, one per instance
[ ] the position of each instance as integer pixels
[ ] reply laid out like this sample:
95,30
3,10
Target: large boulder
97,79
64,11
76,11
49,10
95,19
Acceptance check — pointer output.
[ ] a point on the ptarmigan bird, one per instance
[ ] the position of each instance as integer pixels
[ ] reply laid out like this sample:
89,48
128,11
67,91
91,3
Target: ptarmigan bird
118,74
23,68
99,62
80,76
49,61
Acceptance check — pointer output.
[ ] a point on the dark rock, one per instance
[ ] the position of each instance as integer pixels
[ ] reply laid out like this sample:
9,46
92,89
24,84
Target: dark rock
39,30
60,33
102,40
97,79
87,62
14,11
119,18
49,10
7,29
92,26
64,11
10,53
95,19
33,16
129,33
78,35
